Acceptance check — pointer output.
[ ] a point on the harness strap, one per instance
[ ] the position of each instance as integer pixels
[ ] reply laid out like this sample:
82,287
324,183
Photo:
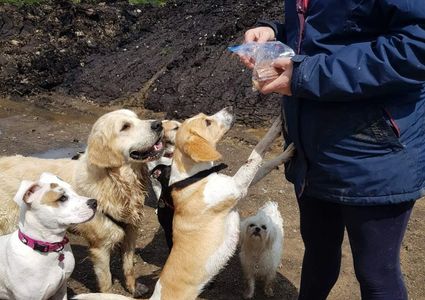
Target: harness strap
197,177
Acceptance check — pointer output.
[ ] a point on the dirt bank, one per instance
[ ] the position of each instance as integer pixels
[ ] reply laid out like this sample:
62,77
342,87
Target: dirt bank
170,58
27,129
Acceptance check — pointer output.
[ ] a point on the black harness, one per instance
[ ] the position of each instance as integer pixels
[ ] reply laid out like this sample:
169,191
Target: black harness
165,202
196,177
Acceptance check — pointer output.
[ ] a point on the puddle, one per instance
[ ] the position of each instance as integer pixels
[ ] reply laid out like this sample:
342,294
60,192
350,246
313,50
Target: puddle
67,152
79,112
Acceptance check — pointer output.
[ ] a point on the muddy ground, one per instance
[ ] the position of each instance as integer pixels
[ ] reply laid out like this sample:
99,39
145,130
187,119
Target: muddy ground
27,129
170,58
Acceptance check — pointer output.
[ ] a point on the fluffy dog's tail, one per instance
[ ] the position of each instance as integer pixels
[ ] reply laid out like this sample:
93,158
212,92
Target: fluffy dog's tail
101,296
271,210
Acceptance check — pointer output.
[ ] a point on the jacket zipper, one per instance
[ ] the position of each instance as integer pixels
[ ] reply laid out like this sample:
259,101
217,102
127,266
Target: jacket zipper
393,123
302,11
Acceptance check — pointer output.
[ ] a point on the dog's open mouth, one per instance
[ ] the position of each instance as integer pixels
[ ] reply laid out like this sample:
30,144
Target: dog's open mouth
151,154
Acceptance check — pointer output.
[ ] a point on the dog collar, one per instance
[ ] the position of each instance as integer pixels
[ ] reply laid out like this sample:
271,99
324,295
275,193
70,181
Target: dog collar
198,176
120,224
43,247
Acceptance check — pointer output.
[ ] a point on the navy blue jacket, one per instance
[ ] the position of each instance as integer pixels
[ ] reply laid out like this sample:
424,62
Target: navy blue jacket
357,114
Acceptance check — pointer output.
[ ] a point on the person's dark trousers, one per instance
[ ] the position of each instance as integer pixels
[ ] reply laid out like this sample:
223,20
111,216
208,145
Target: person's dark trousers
375,234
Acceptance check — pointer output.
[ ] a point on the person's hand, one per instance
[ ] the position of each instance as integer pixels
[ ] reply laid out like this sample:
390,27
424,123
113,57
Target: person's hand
258,35
282,84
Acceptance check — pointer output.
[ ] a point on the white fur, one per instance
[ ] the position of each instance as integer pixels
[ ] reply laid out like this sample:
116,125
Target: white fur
28,274
157,292
220,258
219,187
261,249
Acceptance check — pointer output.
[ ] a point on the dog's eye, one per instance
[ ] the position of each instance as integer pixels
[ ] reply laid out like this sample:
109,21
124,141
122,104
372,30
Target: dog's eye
63,198
208,122
251,225
125,126
175,128
264,227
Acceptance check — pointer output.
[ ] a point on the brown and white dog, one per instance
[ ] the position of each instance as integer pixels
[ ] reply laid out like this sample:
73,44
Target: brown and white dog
113,170
206,226
36,260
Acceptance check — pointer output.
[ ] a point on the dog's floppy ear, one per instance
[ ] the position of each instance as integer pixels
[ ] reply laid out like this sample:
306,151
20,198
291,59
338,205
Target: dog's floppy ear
101,154
26,189
199,149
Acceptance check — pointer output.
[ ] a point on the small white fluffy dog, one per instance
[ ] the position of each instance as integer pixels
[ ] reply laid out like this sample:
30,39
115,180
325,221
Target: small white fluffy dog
36,260
261,239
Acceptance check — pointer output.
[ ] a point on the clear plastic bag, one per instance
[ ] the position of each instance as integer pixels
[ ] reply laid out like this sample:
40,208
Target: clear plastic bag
263,55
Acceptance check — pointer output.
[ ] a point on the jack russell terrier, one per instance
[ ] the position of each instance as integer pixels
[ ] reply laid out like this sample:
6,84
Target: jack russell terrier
205,225
36,260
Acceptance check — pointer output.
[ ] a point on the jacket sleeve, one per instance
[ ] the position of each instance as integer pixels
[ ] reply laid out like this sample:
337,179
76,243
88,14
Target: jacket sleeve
391,63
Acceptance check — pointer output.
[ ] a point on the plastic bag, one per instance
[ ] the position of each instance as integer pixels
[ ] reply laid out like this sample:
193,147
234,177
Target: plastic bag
263,55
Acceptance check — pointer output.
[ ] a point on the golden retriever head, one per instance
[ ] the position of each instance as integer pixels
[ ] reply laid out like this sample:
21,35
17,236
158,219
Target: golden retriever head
120,137
198,136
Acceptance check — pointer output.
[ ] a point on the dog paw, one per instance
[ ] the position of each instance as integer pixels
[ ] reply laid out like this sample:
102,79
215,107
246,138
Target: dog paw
290,150
140,290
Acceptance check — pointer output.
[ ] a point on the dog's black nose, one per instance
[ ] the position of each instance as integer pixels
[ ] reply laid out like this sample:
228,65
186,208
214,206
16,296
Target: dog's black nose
156,126
257,229
92,203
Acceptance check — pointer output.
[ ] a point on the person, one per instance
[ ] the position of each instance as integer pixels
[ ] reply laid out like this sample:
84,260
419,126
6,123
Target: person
354,105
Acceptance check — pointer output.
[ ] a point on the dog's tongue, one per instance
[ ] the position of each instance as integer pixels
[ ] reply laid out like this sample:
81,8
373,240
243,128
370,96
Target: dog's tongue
158,146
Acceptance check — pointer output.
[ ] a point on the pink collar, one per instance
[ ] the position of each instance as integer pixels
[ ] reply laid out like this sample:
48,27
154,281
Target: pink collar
43,246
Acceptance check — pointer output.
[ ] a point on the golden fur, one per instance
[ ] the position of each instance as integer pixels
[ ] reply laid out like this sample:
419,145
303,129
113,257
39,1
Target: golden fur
106,172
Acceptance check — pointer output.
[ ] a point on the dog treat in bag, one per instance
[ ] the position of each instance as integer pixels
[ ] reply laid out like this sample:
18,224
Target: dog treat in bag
263,55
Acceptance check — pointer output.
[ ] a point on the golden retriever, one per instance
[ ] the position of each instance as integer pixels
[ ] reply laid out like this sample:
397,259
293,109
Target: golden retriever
112,170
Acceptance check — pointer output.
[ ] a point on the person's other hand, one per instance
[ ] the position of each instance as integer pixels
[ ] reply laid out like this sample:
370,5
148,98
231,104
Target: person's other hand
282,84
259,35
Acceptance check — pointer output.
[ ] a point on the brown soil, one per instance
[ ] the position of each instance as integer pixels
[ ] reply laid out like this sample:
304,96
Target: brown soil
28,129
170,58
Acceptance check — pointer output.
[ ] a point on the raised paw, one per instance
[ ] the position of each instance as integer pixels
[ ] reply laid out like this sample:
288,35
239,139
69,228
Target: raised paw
288,153
273,132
